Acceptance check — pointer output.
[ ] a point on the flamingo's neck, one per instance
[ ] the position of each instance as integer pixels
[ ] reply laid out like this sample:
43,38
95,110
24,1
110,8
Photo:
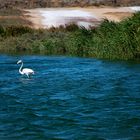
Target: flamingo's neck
20,69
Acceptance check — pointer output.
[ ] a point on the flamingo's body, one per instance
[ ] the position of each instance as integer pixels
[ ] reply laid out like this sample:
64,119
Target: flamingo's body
25,71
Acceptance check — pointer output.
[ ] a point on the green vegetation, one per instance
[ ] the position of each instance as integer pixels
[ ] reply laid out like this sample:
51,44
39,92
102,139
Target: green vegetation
110,40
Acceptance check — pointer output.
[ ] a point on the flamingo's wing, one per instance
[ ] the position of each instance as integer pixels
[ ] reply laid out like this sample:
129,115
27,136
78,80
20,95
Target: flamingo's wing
27,71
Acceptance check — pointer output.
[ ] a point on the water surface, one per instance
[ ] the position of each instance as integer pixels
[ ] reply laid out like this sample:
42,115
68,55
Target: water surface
69,98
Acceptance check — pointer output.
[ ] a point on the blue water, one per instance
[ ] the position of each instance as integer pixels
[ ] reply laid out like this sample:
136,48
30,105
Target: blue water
69,98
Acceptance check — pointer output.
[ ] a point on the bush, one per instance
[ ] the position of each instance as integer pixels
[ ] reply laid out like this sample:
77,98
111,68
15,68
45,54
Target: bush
14,30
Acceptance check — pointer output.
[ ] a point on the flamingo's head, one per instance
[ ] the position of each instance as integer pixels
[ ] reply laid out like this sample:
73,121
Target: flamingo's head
20,61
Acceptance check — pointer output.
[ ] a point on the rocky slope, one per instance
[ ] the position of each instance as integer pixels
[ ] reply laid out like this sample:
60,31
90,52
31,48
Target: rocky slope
64,3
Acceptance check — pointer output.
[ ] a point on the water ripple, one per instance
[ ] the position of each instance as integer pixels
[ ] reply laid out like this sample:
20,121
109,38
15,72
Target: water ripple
69,98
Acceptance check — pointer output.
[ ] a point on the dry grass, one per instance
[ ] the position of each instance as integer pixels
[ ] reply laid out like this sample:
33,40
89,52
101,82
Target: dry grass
9,17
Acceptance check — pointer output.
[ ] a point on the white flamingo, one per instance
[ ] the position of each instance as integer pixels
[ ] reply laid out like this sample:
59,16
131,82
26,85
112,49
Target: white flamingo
25,71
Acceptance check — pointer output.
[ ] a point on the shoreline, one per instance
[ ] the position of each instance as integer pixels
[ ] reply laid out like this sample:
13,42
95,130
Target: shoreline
110,40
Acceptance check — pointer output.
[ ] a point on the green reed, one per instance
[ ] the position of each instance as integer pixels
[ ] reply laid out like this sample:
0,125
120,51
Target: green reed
110,40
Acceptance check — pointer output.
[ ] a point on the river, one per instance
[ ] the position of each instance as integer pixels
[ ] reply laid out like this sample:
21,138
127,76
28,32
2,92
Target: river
69,98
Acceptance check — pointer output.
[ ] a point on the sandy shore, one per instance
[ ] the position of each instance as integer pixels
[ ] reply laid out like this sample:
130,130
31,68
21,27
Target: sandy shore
91,16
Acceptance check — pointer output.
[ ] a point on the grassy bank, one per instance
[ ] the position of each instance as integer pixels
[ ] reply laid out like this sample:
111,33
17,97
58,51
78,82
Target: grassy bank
110,40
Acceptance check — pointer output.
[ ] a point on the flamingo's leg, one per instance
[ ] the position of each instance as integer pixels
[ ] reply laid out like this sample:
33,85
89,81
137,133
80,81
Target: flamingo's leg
28,75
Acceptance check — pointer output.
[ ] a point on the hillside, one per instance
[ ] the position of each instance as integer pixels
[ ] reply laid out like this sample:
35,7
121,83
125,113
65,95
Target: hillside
64,3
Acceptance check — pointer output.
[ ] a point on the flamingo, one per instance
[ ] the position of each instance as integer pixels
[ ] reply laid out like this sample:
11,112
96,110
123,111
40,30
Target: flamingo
25,71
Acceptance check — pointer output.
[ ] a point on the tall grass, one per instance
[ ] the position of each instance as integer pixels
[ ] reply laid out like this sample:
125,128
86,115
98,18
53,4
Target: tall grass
110,40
